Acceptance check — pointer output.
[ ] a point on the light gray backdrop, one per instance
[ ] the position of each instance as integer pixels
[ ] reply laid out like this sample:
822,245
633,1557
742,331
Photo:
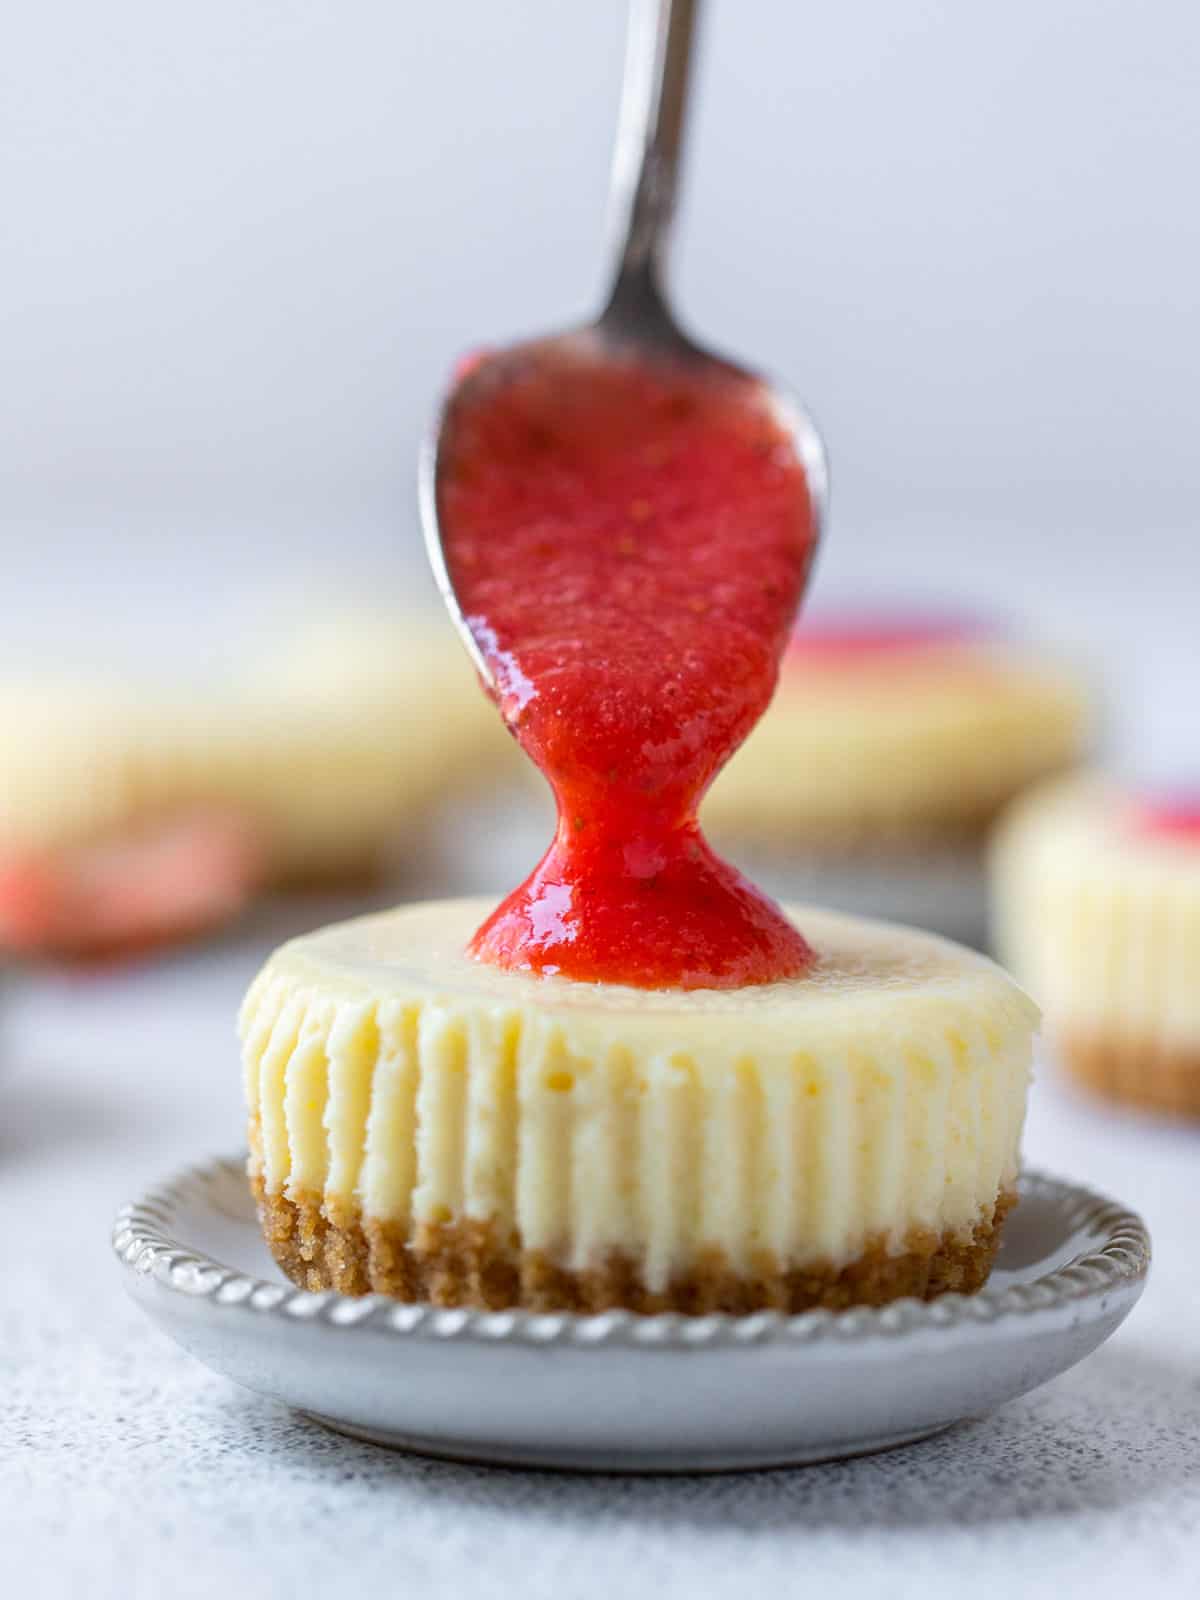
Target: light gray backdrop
243,241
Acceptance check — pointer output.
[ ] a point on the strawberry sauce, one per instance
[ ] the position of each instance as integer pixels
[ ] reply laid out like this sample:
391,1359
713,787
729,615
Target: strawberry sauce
149,886
1171,816
867,639
629,543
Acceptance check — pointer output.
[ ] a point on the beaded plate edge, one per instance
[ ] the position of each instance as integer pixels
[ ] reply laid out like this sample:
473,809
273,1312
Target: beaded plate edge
144,1240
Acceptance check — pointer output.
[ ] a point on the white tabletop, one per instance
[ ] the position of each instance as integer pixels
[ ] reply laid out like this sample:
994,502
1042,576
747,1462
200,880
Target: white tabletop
128,1469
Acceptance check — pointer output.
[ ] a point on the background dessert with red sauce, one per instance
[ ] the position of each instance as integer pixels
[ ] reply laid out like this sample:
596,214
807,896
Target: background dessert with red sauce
896,738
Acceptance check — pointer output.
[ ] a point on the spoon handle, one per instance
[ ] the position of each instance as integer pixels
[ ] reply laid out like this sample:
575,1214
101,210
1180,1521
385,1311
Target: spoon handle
649,146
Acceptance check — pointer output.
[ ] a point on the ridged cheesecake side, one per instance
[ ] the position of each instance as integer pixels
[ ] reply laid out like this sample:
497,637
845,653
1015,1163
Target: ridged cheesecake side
1102,923
437,1130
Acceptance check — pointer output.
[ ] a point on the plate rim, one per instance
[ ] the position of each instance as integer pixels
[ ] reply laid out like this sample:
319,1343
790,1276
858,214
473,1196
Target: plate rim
146,1246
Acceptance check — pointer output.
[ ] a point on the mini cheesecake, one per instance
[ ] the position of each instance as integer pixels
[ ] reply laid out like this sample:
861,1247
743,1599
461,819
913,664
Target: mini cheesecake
133,811
431,1127
363,726
889,749
1096,896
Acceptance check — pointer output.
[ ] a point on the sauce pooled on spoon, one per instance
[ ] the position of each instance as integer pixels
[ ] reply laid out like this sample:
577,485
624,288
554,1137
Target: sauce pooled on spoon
629,543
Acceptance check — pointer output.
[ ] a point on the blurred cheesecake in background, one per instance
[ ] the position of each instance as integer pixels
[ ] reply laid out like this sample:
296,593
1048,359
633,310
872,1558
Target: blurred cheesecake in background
135,811
1096,906
372,723
893,742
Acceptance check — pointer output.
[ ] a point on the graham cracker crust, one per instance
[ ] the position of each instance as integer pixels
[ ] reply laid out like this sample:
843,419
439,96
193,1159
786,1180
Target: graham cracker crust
1138,1072
467,1263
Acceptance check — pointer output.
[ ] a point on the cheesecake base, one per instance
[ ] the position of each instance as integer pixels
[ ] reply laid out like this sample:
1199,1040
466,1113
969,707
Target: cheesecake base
1136,1072
322,1245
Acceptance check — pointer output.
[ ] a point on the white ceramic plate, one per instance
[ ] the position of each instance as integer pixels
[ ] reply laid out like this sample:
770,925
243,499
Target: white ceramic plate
619,1391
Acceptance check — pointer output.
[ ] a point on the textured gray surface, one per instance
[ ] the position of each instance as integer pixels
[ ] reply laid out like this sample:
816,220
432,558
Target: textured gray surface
128,1470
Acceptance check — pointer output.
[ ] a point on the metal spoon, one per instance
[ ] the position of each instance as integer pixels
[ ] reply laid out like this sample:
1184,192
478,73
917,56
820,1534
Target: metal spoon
637,317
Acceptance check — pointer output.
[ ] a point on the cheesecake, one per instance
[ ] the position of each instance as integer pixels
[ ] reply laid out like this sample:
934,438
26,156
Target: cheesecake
1096,907
133,812
892,744
427,1126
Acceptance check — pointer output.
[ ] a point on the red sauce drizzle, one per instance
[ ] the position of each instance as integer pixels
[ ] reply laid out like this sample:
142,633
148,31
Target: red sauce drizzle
629,544
867,638
1171,816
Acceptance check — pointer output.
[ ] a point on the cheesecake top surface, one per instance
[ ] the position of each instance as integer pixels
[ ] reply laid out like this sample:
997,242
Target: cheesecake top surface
865,974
